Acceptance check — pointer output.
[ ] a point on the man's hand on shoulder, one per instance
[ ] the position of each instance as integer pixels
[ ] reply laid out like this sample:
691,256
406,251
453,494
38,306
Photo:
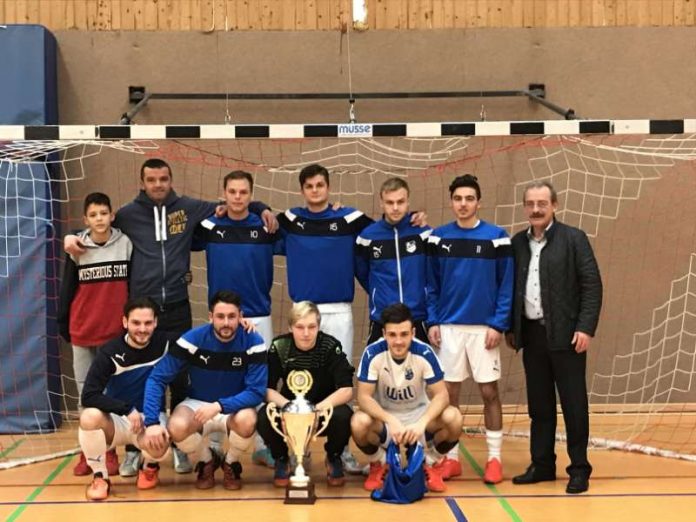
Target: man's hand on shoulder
73,245
270,222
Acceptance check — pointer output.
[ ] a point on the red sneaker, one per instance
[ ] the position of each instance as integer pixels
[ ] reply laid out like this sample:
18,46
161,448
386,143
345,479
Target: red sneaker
148,477
99,488
112,463
448,468
82,469
433,480
375,479
494,472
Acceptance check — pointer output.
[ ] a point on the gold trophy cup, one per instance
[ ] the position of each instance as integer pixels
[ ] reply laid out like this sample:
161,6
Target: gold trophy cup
299,420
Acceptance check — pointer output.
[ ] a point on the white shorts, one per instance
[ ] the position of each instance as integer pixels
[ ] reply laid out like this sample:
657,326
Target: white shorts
337,320
264,327
216,424
463,354
122,430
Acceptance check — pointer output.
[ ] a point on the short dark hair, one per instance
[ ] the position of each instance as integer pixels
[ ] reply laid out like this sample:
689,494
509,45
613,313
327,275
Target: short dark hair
225,296
313,170
97,198
155,163
139,302
395,314
467,180
238,174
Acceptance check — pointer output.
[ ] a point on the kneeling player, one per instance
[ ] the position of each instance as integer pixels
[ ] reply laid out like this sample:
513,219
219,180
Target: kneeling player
307,348
228,377
402,396
112,396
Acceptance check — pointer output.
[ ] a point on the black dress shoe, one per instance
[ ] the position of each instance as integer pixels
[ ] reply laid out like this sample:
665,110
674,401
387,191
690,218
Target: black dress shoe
578,484
533,475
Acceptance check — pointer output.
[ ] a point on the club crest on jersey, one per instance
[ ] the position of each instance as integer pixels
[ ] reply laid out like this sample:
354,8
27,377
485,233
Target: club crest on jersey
333,227
408,374
410,247
377,252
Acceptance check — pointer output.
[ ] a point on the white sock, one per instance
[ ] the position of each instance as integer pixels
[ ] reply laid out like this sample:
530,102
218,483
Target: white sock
494,439
377,456
453,453
238,445
194,447
93,444
432,455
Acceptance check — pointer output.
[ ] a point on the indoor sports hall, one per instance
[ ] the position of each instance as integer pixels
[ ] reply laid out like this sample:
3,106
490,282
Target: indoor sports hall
594,96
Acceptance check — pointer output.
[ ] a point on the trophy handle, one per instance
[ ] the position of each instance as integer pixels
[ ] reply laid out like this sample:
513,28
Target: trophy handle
272,413
326,415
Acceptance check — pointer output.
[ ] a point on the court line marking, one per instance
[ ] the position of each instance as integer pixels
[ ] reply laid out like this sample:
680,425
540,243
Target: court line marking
13,447
113,500
456,510
30,499
501,498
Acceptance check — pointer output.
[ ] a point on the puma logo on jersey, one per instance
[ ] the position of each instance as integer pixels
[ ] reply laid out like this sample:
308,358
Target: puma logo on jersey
204,358
220,233
121,356
301,224
447,247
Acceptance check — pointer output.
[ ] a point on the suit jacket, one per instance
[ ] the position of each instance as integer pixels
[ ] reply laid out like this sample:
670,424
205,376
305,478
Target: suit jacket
571,286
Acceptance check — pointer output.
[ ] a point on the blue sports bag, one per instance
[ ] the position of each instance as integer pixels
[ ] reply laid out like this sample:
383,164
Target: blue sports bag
403,485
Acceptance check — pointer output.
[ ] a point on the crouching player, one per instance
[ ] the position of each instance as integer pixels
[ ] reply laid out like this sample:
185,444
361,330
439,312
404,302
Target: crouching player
113,393
402,396
228,377
307,348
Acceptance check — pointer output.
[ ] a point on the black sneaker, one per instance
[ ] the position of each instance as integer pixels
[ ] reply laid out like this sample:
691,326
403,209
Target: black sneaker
334,471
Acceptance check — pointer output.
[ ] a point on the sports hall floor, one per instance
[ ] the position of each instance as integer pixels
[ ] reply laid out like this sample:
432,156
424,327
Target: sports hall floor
624,487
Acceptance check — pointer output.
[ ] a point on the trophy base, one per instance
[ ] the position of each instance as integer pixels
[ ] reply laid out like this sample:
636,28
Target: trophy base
300,494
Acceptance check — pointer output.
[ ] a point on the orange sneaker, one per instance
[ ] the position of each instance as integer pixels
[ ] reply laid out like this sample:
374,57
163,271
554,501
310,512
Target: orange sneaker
112,463
448,468
433,480
494,472
148,476
82,469
375,478
99,488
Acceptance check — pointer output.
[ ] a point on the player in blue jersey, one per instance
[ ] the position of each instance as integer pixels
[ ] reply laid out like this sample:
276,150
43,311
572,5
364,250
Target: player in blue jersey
402,396
112,396
470,284
228,376
391,260
239,256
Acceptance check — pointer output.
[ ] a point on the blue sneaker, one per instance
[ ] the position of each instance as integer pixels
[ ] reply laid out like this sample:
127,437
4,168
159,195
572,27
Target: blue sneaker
263,457
281,475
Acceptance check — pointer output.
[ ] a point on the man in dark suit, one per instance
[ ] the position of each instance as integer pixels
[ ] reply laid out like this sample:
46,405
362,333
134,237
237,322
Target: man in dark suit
558,297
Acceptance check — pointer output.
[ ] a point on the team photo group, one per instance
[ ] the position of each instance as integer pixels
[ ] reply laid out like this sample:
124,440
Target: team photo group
443,303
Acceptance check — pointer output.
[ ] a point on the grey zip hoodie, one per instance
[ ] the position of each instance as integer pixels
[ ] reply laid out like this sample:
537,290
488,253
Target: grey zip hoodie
161,237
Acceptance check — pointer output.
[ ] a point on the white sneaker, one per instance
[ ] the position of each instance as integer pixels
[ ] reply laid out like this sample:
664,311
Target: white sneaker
351,464
131,464
181,461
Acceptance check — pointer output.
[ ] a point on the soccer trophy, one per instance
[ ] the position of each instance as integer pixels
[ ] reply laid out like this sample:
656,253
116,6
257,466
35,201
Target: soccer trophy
299,421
